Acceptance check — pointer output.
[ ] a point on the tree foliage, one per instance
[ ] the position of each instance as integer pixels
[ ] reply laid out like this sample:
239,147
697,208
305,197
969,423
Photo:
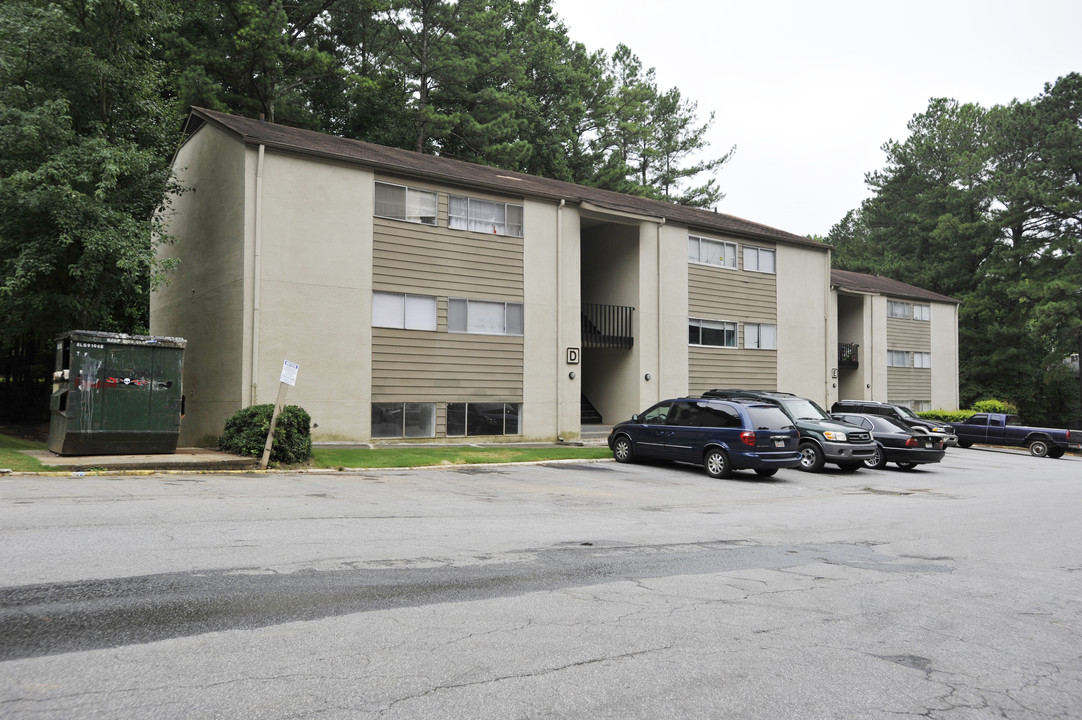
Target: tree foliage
985,205
85,138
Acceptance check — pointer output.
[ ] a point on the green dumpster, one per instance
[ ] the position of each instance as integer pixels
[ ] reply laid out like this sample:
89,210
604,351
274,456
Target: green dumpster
116,394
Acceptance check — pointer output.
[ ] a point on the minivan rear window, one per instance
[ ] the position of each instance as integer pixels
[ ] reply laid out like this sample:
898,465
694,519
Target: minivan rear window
769,418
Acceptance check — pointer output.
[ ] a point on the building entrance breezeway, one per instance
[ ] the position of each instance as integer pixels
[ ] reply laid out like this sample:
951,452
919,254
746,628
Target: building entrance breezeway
609,299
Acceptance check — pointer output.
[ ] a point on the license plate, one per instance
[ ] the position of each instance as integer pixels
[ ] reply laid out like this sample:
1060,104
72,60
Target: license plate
778,442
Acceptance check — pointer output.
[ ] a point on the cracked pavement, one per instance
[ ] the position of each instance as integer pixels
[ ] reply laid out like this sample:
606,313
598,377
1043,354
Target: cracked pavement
641,591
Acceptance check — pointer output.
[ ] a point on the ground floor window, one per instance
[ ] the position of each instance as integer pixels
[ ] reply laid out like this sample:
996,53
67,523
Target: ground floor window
403,419
465,419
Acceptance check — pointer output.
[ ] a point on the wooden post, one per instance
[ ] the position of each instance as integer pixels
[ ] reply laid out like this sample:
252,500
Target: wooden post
278,405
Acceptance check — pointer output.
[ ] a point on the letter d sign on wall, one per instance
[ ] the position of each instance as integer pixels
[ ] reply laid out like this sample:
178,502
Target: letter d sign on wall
572,356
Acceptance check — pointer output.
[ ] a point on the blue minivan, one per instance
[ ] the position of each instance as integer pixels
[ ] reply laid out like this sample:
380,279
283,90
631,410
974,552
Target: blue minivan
721,435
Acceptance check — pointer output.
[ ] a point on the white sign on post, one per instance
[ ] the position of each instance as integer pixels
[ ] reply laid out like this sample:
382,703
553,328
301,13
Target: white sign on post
289,373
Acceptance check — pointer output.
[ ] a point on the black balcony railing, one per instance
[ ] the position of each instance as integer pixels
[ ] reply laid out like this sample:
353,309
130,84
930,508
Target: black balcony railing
607,326
847,356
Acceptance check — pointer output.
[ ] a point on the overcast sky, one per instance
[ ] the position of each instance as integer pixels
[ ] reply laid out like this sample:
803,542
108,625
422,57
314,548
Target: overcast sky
810,91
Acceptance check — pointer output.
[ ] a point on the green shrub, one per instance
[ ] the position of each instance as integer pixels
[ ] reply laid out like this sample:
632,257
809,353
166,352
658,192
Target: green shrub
246,433
994,406
947,416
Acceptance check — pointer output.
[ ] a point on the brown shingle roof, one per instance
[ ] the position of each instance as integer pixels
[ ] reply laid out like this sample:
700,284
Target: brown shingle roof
875,284
395,160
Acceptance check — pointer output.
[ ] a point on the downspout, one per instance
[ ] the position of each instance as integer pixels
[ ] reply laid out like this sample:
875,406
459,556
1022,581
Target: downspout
559,313
660,316
257,271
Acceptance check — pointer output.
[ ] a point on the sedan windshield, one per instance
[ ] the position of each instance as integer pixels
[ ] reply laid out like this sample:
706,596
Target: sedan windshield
803,409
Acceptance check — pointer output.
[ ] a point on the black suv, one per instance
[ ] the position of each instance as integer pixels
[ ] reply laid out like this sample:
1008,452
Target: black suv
822,438
899,412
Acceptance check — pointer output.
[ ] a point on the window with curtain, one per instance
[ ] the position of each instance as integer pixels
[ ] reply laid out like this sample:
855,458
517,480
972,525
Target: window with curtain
399,202
484,216
711,252
484,317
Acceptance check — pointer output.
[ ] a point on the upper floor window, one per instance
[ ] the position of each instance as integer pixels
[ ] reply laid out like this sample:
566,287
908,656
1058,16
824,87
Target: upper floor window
486,216
409,312
759,259
896,309
906,359
711,252
760,337
484,317
399,202
711,333
922,312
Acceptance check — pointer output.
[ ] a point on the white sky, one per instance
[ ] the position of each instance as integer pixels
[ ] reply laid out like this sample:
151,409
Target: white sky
810,91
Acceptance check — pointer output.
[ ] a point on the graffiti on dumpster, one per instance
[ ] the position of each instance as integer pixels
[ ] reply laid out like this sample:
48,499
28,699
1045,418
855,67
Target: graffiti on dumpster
82,383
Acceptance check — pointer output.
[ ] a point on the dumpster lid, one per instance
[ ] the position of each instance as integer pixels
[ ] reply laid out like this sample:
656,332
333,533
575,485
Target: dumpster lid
108,338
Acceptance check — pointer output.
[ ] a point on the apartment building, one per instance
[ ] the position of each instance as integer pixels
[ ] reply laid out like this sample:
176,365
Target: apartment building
898,343
423,297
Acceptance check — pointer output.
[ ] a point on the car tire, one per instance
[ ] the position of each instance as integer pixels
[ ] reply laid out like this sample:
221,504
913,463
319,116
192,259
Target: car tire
717,464
622,449
964,444
849,466
876,461
811,458
1038,448
1055,452
906,465
766,472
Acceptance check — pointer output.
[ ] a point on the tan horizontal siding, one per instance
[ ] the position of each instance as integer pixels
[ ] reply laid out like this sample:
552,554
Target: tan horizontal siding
413,366
408,257
731,367
909,383
913,335
735,295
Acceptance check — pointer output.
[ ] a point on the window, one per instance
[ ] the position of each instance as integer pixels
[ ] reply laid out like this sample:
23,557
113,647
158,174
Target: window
494,218
657,415
685,413
484,317
904,358
404,419
758,259
922,312
483,419
711,333
760,337
409,312
711,252
720,416
897,309
399,202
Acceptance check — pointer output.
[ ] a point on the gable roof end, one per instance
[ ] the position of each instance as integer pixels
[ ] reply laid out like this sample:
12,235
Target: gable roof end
877,285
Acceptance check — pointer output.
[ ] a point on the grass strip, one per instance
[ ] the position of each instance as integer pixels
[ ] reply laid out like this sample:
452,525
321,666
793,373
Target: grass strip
325,457
12,459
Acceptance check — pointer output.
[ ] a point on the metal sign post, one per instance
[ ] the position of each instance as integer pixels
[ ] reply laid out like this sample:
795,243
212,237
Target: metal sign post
289,377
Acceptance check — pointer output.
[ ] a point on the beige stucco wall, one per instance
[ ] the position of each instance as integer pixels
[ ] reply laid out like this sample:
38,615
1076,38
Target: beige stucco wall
944,356
205,296
550,397
807,331
315,290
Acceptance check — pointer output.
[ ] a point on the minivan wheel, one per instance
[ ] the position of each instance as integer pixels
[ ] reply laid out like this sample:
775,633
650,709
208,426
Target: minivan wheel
717,464
621,449
811,458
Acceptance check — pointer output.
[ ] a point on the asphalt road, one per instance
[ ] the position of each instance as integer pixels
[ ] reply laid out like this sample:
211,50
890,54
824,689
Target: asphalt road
560,591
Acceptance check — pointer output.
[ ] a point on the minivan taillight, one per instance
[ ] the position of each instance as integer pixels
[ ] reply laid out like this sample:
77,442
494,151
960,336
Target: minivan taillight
748,438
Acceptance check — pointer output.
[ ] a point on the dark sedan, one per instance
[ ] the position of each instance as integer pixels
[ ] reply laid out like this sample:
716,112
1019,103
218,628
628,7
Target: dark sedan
896,442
